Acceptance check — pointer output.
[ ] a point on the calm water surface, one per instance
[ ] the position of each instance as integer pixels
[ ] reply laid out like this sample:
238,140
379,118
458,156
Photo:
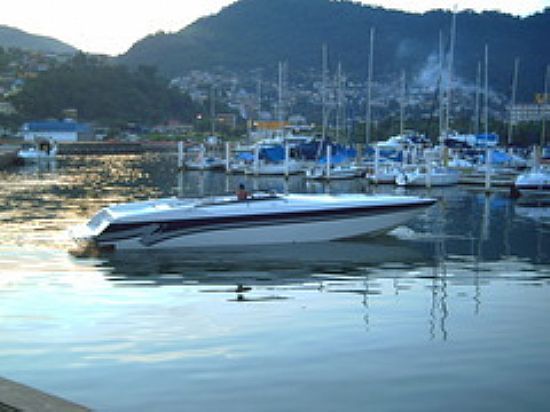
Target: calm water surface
449,312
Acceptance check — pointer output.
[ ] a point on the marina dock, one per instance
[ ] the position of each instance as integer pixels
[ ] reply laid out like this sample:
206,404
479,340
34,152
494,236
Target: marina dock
15,397
8,155
99,148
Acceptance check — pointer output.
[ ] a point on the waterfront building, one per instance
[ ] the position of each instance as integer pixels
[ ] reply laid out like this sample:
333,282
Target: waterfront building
58,131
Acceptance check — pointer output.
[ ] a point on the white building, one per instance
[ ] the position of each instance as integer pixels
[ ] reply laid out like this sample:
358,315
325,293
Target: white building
529,112
58,131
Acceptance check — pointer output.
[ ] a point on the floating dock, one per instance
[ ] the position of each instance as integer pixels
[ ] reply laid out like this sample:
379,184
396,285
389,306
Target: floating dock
99,148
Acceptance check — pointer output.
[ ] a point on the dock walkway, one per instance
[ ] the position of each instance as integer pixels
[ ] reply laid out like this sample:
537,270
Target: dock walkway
8,155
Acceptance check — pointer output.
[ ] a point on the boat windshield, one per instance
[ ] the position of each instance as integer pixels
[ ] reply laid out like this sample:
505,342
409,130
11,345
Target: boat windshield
99,219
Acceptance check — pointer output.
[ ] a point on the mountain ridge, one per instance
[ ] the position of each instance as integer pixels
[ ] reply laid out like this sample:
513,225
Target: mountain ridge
11,37
257,33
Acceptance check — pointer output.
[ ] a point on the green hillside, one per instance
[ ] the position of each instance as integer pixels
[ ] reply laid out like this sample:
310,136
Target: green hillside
104,93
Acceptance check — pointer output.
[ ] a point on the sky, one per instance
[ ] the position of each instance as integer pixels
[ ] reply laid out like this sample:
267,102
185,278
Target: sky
112,26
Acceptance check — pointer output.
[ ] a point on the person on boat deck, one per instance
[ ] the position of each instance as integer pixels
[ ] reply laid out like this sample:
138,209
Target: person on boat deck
242,194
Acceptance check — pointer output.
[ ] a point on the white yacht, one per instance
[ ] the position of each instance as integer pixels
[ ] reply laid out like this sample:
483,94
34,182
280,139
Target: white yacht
263,218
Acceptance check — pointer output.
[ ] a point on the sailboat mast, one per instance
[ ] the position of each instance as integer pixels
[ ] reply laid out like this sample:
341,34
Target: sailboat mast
486,93
441,103
338,100
477,99
513,100
369,89
544,106
402,105
450,78
324,91
280,95
213,110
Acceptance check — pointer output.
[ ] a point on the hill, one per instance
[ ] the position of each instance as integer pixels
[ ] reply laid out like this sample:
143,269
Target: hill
15,38
257,33
108,94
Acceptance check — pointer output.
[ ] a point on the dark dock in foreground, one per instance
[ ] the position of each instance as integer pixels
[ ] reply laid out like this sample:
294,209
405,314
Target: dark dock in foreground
15,397
8,155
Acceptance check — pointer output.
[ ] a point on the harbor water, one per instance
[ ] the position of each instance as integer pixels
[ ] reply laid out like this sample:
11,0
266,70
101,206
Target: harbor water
449,312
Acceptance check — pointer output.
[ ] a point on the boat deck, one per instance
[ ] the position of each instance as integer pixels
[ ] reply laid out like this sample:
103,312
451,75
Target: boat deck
15,397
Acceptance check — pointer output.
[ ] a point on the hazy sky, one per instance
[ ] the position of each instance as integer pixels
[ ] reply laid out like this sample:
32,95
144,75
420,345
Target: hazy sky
112,26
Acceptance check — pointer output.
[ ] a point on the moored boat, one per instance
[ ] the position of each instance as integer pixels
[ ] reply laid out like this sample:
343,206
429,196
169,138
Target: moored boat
535,180
424,176
263,218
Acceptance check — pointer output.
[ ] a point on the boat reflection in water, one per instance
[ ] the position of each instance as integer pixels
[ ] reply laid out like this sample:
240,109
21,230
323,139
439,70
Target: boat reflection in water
259,265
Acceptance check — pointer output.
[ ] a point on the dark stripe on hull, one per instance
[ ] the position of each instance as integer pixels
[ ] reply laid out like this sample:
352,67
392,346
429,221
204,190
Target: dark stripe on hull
533,187
154,232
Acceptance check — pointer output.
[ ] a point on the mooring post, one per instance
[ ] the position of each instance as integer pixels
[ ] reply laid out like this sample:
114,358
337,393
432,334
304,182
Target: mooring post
287,154
488,155
329,155
256,159
227,153
180,156
376,163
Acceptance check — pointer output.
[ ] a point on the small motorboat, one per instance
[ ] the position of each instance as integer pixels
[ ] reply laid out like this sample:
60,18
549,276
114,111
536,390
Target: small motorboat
263,218
205,163
292,167
535,180
424,176
385,174
337,172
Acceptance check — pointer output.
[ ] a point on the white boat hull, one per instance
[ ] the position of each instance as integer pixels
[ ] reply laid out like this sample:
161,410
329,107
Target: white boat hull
536,180
422,179
174,223
282,233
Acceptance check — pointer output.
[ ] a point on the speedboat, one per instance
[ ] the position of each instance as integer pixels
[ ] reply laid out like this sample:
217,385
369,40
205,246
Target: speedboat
263,218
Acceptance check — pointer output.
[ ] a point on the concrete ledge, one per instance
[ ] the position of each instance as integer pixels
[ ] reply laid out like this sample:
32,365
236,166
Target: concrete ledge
15,397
